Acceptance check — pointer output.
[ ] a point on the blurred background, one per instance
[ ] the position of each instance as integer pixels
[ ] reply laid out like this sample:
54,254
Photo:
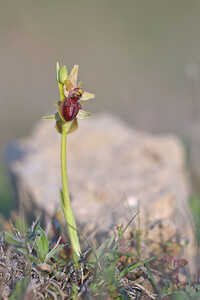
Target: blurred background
140,58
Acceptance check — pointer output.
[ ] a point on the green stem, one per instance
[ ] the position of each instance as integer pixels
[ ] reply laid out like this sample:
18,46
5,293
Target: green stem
139,232
65,198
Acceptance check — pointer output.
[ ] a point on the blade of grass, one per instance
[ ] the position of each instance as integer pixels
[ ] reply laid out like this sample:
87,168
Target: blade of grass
121,235
132,267
152,278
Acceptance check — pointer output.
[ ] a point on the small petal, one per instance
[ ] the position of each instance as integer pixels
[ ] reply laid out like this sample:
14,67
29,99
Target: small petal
57,103
83,114
74,75
69,85
87,96
80,84
66,93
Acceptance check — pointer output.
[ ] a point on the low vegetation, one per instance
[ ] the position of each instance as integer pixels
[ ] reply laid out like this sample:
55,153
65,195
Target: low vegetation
36,266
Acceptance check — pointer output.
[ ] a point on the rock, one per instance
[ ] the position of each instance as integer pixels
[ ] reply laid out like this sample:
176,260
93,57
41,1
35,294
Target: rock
111,167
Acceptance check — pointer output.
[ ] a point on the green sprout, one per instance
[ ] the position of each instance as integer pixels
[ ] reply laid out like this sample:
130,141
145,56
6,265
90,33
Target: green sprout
34,241
72,97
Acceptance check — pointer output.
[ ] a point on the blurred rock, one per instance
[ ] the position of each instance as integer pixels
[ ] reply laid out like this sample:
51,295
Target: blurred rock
111,167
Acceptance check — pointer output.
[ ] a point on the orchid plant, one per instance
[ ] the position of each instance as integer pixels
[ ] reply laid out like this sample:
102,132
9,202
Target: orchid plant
72,97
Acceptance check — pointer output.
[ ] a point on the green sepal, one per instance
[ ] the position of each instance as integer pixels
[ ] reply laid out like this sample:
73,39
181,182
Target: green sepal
83,114
52,117
60,113
58,126
57,72
60,85
63,74
49,118
74,75
74,126
87,96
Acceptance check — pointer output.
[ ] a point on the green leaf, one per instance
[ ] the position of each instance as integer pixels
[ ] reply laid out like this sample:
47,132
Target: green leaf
55,249
19,244
103,249
87,96
74,292
23,250
180,295
20,289
11,239
41,244
33,258
83,114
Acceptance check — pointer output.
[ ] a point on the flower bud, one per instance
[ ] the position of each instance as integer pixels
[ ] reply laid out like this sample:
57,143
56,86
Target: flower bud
63,74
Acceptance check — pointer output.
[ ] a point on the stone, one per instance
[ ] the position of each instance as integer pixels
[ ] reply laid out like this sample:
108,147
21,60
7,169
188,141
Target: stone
111,168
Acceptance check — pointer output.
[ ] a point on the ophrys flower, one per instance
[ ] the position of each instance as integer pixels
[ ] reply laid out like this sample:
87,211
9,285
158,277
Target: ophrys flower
72,97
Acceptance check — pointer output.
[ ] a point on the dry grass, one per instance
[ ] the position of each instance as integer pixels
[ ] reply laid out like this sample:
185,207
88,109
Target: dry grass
43,283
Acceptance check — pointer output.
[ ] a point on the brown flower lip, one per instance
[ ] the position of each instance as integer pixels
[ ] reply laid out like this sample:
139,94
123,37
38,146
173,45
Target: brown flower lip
70,106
